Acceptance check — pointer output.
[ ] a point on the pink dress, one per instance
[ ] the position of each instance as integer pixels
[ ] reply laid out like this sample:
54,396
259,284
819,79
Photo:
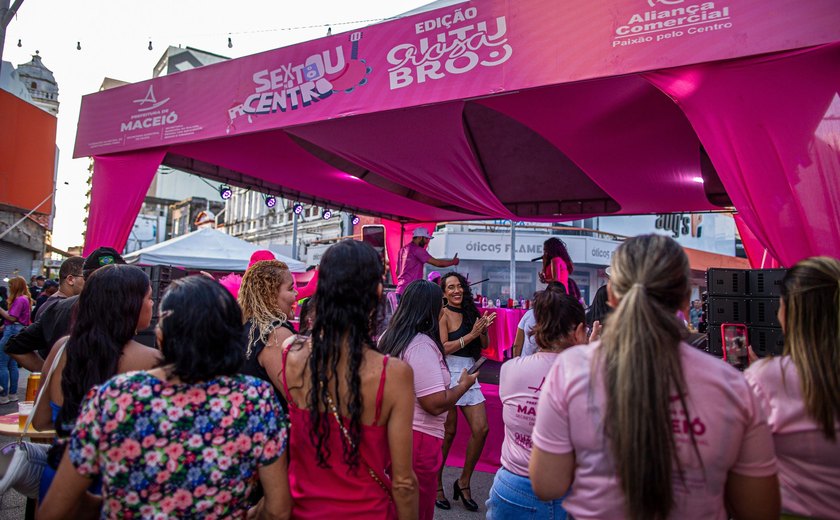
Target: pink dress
336,492
559,267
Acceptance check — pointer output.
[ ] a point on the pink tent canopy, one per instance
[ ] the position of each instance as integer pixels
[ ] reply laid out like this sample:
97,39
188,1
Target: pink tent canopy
528,110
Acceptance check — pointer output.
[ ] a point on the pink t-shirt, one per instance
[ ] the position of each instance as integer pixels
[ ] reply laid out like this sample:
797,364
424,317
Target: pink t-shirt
21,309
809,464
411,260
729,427
431,375
520,382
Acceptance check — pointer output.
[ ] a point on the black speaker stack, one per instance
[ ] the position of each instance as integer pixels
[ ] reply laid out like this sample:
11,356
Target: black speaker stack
160,276
749,297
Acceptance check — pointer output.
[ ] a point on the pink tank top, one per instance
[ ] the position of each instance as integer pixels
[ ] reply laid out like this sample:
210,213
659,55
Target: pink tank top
336,492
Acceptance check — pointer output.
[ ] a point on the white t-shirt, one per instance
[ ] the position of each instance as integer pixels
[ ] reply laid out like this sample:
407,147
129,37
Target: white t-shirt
520,382
809,464
526,324
729,427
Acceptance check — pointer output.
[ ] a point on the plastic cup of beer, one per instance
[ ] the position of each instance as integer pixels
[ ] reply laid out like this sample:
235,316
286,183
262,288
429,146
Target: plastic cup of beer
25,409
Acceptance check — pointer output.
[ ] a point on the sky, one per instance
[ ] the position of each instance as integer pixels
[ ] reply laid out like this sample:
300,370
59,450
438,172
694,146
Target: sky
114,36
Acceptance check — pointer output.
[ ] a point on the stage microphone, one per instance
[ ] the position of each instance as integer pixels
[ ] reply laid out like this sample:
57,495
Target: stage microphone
478,282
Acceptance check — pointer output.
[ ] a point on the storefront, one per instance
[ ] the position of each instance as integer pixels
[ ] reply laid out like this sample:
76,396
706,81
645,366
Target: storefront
485,258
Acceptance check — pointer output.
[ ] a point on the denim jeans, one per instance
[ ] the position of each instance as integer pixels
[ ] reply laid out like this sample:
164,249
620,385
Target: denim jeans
8,366
511,497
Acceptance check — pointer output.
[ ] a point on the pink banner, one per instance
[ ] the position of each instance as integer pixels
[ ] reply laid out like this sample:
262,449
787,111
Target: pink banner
464,51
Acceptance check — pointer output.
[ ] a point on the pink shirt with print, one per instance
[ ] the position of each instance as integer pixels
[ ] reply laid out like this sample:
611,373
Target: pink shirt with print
809,464
729,427
410,264
520,382
431,375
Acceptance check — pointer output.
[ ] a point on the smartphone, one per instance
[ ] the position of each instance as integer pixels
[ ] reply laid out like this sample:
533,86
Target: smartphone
473,369
735,343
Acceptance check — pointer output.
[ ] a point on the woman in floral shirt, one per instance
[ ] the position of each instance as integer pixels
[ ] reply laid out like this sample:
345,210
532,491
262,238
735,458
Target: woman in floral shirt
187,440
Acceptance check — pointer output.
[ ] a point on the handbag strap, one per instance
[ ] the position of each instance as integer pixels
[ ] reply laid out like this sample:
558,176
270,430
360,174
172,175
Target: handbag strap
344,431
44,387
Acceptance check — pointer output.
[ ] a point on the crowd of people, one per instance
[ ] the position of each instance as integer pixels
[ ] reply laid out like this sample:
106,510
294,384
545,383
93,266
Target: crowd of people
607,413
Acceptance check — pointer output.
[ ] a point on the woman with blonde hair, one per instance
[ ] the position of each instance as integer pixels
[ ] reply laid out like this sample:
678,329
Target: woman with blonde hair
800,391
267,297
647,426
17,317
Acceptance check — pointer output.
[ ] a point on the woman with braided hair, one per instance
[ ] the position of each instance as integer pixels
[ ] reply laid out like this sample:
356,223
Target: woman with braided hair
647,426
350,407
267,297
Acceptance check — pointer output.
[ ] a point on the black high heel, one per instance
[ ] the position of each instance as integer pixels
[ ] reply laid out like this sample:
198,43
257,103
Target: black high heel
442,503
457,492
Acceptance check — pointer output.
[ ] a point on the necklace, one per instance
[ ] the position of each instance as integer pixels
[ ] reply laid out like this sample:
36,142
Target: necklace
459,310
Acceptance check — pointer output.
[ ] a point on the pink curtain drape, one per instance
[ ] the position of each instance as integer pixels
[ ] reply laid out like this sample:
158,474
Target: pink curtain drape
757,254
771,126
119,186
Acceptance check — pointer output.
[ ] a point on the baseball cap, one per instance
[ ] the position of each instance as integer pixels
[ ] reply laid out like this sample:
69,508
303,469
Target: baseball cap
100,258
422,232
433,277
260,255
40,277
50,283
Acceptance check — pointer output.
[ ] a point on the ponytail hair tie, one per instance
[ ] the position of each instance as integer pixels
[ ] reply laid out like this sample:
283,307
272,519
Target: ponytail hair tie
638,285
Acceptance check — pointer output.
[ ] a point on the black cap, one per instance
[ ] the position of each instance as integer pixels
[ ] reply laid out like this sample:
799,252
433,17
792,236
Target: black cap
40,277
50,283
100,258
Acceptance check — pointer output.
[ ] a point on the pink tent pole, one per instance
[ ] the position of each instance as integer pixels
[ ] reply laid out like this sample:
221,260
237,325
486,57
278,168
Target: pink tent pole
119,186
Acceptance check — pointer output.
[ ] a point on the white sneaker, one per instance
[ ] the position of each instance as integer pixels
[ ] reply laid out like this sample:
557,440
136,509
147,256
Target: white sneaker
13,398
4,399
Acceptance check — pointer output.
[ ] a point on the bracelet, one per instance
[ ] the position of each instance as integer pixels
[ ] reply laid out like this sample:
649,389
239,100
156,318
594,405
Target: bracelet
461,341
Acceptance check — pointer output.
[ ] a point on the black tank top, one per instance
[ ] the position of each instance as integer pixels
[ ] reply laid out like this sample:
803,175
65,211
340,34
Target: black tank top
471,349
252,365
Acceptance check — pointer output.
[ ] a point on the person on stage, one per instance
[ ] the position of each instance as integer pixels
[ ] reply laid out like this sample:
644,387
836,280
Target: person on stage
413,256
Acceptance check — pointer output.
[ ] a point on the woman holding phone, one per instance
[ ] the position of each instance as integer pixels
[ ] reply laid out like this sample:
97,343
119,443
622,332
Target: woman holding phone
463,333
800,391
559,325
414,337
647,426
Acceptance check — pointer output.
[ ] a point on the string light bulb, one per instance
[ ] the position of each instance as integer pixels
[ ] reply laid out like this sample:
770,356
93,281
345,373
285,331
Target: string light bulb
20,44
150,44
78,46
230,43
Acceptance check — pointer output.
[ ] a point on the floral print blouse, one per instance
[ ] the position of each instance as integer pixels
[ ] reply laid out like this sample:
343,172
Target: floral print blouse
177,450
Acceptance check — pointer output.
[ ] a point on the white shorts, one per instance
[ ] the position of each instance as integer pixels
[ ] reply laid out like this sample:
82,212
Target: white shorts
456,365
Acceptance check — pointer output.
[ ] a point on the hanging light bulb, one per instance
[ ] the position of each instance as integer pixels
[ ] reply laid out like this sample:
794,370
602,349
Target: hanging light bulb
19,43
329,31
230,43
78,46
150,44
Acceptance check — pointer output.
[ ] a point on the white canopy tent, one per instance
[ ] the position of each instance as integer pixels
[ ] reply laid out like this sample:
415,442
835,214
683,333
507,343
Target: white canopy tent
206,249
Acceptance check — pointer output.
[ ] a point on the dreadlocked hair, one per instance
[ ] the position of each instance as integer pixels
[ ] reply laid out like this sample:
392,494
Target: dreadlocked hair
258,299
346,302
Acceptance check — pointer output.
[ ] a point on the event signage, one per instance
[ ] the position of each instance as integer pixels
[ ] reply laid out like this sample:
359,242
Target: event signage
471,50
496,246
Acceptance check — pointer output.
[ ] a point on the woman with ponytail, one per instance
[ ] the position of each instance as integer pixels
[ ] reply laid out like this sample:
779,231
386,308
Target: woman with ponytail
800,391
646,426
350,407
